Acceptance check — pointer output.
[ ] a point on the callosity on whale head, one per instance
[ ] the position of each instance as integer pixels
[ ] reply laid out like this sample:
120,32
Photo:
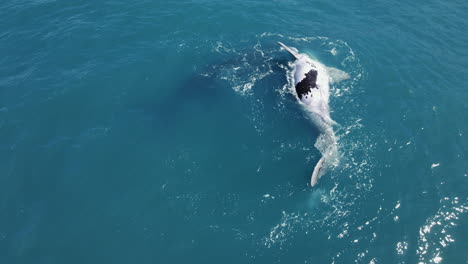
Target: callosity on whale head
312,83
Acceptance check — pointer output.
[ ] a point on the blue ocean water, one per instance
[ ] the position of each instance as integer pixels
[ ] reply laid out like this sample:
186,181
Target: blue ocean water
166,132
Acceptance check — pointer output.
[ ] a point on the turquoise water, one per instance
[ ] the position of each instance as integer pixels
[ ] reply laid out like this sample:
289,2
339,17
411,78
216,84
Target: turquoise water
166,132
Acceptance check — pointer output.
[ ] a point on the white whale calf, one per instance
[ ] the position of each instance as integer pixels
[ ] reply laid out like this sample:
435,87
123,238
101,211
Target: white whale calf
312,84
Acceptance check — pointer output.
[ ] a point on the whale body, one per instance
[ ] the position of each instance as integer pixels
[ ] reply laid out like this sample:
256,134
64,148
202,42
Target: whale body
312,84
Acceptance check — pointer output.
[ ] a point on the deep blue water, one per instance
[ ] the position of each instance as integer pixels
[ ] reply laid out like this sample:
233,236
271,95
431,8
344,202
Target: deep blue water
166,132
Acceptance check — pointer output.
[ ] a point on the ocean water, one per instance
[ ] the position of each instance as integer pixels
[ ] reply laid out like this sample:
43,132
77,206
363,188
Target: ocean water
166,132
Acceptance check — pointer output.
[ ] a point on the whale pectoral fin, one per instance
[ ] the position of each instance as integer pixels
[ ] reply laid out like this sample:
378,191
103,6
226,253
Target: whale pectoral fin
317,172
336,75
291,51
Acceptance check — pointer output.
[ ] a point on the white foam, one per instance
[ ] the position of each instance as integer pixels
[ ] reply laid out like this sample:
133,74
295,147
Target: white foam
434,234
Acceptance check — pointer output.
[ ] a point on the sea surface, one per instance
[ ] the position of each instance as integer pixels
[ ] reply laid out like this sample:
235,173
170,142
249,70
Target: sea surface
167,132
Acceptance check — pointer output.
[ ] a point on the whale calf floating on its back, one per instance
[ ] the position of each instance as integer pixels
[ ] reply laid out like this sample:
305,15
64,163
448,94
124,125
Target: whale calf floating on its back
312,84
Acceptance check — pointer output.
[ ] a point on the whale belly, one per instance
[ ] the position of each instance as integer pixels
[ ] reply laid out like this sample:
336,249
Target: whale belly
305,79
311,85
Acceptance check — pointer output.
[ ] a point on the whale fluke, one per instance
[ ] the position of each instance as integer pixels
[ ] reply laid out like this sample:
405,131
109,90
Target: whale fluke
316,174
295,54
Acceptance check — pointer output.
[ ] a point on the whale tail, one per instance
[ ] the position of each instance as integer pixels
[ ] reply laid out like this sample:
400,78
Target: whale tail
317,172
295,54
327,145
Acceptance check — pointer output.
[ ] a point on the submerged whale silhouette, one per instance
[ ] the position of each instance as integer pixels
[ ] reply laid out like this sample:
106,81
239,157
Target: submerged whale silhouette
311,81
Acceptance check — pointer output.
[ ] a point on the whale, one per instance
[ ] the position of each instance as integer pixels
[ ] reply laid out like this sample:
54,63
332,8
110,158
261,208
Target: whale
312,81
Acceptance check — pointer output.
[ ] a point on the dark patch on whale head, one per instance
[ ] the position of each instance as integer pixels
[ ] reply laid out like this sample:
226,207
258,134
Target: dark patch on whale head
307,84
